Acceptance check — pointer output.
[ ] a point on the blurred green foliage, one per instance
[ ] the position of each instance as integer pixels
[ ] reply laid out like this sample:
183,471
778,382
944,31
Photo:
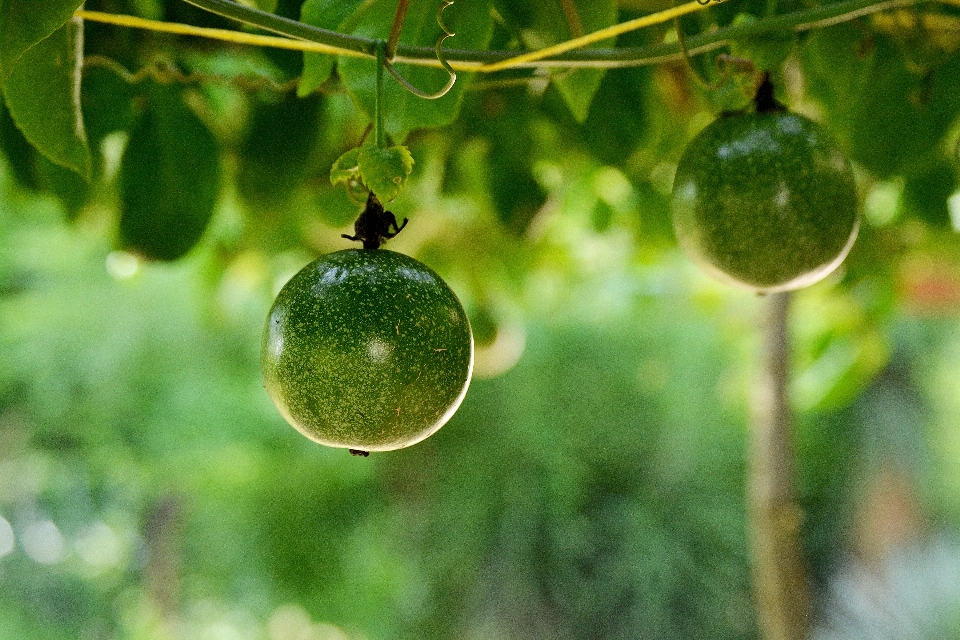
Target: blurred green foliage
594,490
569,489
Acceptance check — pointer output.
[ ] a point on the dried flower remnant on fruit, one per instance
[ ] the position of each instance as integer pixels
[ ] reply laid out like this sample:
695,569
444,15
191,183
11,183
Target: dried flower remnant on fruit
764,101
374,225
359,452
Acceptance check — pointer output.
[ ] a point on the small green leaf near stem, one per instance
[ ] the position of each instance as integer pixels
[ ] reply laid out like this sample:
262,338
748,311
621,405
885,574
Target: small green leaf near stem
346,167
384,171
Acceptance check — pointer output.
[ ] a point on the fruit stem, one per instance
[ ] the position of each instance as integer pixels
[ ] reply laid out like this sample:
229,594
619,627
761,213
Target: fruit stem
764,100
781,590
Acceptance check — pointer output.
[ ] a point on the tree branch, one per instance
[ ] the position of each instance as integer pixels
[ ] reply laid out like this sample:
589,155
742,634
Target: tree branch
780,580
569,54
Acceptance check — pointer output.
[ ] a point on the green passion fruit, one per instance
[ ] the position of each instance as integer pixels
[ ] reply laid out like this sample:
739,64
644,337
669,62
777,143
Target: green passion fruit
765,201
368,350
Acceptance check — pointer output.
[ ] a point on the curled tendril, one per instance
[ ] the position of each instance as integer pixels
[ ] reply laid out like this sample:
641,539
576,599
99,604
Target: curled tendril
447,33
723,63
165,71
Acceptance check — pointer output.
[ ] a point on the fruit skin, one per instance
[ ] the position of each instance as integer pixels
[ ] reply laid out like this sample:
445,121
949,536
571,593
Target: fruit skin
765,201
368,350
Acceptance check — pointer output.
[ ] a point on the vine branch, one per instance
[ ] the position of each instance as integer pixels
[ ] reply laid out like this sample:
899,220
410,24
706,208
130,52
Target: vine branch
568,54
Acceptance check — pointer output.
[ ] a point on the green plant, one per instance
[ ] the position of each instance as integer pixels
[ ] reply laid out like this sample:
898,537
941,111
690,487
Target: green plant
765,200
368,350
541,180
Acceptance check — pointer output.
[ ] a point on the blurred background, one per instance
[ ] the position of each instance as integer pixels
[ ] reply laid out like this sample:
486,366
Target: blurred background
592,485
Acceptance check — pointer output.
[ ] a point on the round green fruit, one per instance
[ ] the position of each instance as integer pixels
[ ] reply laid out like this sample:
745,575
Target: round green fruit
765,201
368,350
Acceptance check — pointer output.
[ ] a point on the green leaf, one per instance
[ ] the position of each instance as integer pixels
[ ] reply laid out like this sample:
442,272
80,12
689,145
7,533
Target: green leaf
326,14
276,151
346,169
107,101
17,151
618,121
43,95
767,52
579,87
544,23
34,171
266,5
925,194
72,190
503,149
890,118
169,178
384,171
24,23
404,112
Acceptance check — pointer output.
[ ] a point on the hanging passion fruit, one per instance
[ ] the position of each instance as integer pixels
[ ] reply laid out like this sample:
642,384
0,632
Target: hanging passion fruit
367,349
765,200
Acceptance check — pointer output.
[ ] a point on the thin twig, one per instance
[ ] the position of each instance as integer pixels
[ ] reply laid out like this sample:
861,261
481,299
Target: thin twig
573,18
228,35
399,17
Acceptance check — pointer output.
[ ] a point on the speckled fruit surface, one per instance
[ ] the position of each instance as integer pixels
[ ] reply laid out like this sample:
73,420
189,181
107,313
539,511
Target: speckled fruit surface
765,201
367,350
